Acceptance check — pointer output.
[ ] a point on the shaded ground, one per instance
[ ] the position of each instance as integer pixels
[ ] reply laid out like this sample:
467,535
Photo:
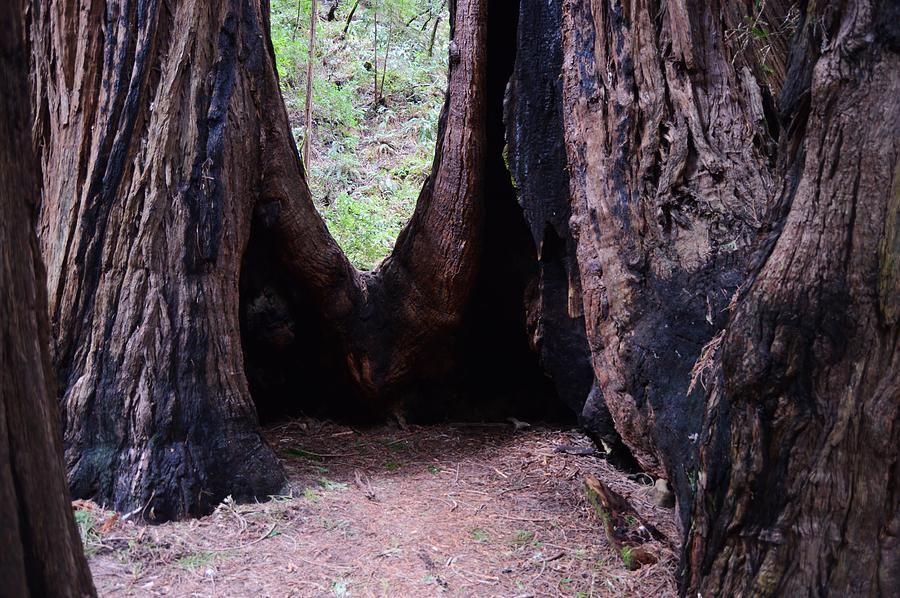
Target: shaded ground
442,510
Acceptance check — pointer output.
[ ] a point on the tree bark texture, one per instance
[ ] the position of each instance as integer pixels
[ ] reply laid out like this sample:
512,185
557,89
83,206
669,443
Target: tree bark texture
669,148
164,141
41,551
798,488
538,163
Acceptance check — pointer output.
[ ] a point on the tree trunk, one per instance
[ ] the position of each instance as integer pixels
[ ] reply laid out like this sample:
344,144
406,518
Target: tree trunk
539,165
669,231
798,488
668,148
164,142
41,554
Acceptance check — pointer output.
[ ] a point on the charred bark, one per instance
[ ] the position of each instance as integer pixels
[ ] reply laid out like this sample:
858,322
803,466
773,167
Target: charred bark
668,148
798,483
165,144
41,554
537,159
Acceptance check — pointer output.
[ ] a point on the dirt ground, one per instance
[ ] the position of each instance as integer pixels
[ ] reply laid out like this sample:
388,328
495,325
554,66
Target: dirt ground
453,510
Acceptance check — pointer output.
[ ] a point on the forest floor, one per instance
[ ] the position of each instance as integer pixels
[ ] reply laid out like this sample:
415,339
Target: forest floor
452,510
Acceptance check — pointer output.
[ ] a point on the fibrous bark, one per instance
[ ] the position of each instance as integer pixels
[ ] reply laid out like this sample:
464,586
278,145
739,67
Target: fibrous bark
538,163
41,551
668,148
798,488
163,137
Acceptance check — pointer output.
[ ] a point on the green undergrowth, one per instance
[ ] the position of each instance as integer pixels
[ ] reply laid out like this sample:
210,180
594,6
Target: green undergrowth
368,159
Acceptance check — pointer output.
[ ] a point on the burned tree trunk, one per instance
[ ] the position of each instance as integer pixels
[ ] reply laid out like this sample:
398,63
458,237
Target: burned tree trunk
669,147
164,142
149,138
798,486
41,552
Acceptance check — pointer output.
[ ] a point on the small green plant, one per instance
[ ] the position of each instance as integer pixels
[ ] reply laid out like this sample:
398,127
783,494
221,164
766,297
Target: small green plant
392,466
627,554
335,524
631,520
522,537
86,523
300,452
479,535
434,469
311,495
195,560
331,485
397,445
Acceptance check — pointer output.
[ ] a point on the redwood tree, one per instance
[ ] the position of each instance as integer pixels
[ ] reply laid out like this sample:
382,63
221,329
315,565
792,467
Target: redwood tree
41,551
798,492
164,141
701,246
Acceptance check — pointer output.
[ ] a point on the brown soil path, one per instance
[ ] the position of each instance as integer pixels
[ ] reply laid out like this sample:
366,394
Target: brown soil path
431,511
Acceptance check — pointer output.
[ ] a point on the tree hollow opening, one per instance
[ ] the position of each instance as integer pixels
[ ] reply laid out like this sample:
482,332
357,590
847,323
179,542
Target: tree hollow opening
487,369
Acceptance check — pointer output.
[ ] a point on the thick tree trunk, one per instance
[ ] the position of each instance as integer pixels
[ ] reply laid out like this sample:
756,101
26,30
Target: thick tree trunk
41,552
150,140
163,135
799,483
668,148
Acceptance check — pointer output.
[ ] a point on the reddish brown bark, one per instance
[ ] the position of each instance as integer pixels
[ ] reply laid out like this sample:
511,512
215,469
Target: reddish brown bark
41,552
668,148
163,135
798,483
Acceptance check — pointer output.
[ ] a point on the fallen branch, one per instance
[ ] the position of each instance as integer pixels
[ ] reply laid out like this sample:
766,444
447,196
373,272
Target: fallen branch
625,529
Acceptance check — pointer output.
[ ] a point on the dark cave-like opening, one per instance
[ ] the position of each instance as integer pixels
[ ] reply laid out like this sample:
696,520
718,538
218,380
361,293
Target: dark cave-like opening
488,371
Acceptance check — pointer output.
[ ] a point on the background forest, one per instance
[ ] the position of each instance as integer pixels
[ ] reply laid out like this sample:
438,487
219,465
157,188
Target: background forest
373,130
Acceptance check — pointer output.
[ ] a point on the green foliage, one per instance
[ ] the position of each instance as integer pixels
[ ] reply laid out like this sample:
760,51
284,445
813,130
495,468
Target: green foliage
522,537
195,560
368,160
330,484
479,535
86,524
627,554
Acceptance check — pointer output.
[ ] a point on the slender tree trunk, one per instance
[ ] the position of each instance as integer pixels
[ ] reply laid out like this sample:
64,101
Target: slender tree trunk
350,17
375,55
798,490
437,23
387,55
307,137
41,552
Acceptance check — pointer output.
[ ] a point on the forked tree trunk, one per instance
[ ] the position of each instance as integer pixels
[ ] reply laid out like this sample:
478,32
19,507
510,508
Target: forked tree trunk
798,489
41,552
170,173
163,132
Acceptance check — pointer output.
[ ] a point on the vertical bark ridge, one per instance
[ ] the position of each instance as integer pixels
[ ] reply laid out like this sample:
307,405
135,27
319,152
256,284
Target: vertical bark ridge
41,554
157,412
798,490
670,184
